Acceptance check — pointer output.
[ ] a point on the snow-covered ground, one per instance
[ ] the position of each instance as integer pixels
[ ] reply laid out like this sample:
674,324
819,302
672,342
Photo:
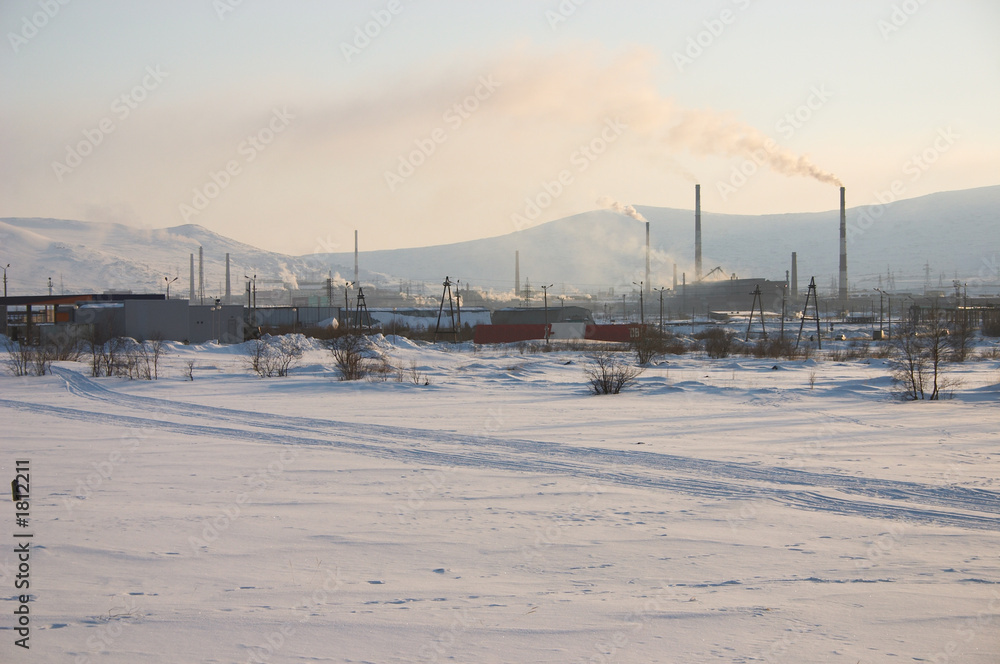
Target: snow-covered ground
729,510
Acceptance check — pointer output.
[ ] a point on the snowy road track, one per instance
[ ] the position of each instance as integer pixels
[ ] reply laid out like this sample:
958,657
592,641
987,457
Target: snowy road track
911,501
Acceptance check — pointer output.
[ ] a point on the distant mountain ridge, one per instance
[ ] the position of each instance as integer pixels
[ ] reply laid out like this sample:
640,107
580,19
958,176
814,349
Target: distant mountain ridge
957,233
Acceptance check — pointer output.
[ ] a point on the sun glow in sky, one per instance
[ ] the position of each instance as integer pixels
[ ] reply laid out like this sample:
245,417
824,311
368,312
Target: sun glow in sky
287,125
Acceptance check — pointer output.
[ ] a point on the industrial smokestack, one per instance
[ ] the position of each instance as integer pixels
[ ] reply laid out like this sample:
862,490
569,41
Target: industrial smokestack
191,297
517,273
229,289
795,276
697,232
355,256
842,290
201,275
675,278
647,257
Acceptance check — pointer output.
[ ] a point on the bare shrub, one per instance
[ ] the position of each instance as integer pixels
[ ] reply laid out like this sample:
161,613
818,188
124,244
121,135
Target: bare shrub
717,341
859,349
908,364
18,357
272,356
379,369
918,365
156,350
773,348
963,336
64,344
648,347
416,376
350,355
189,369
609,373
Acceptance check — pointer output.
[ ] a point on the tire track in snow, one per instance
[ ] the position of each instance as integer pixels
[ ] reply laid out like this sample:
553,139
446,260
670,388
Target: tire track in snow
948,496
537,463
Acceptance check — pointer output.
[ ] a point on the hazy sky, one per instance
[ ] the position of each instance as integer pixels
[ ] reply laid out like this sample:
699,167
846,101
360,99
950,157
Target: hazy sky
285,125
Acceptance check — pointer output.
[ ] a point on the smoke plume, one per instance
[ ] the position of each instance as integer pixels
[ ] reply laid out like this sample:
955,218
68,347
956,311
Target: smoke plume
612,204
709,133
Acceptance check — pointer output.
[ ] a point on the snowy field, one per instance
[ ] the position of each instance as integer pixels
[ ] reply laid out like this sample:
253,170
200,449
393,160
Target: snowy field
730,510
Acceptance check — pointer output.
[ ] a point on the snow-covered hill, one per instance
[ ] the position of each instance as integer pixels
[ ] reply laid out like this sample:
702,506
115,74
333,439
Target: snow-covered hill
86,256
956,233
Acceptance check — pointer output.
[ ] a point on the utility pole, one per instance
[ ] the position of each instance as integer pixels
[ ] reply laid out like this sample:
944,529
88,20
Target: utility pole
811,295
661,289
784,294
642,314
881,334
252,290
757,300
545,297
347,305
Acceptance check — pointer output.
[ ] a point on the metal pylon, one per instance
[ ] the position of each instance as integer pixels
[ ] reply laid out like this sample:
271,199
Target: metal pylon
757,300
452,329
361,317
811,294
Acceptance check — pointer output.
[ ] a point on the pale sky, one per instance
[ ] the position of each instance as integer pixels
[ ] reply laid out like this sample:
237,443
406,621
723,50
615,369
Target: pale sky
276,124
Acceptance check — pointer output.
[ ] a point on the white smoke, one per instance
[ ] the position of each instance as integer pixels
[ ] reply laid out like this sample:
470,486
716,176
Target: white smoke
288,277
710,133
612,204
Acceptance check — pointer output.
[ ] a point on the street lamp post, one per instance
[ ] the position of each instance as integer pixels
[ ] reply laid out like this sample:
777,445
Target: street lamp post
217,315
661,289
169,281
642,315
545,297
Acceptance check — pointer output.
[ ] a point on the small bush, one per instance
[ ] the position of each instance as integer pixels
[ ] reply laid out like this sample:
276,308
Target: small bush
272,356
350,356
717,341
23,360
773,348
609,373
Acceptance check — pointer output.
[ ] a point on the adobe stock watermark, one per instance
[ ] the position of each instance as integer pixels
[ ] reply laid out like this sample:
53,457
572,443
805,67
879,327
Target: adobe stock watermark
104,470
31,25
899,17
364,34
787,126
548,536
223,7
114,624
696,46
121,108
914,167
562,13
456,115
249,149
275,640
608,650
580,160
214,527
968,631
418,495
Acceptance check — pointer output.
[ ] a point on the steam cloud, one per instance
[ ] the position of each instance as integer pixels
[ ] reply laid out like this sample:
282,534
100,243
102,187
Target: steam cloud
706,132
612,204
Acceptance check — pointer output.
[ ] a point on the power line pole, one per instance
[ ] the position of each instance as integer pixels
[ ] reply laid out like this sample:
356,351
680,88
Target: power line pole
545,295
